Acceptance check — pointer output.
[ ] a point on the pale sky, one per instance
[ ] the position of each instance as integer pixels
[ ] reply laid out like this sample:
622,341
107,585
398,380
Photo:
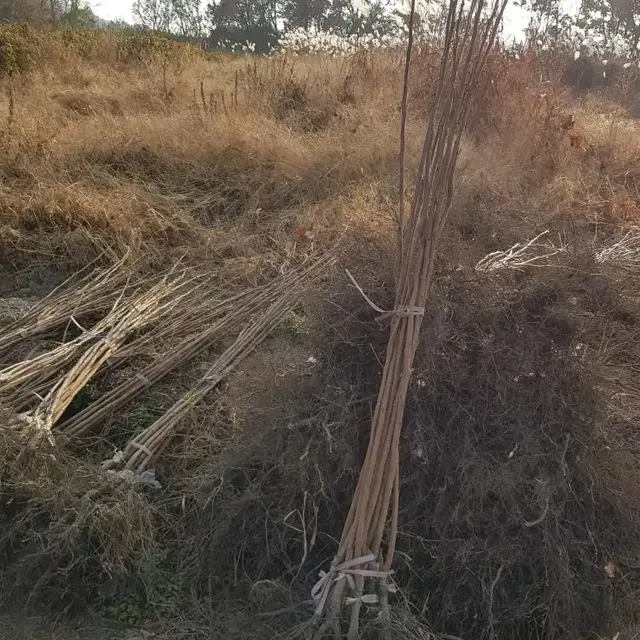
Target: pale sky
113,9
515,18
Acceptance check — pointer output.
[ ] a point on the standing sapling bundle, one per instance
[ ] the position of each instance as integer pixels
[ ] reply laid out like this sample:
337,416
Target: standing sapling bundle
470,33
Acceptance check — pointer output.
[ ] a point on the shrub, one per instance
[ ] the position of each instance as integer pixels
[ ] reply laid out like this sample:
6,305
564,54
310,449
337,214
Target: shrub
139,48
84,43
19,48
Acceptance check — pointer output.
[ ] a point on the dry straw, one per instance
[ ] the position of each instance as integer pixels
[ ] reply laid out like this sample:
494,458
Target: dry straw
469,36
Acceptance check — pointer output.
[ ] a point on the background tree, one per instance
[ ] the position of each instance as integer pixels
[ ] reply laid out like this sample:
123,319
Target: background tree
9,10
370,17
188,18
338,16
616,23
75,13
155,15
32,11
237,22
610,26
78,15
310,15
545,20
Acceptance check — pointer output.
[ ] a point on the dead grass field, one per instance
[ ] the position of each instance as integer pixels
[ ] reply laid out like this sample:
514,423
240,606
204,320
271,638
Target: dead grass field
521,455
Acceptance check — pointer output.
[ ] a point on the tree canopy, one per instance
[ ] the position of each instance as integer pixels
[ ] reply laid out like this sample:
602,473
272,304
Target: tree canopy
610,27
74,13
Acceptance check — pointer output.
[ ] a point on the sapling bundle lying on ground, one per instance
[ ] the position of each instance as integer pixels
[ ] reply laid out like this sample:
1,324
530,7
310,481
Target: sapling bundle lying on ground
198,333
155,304
64,371
111,301
469,35
171,303
93,507
266,310
128,314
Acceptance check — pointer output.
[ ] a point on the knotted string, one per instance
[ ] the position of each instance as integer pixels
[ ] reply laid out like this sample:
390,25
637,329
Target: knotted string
403,311
342,571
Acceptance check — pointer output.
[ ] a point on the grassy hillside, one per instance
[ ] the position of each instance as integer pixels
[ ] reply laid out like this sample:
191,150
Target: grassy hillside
520,496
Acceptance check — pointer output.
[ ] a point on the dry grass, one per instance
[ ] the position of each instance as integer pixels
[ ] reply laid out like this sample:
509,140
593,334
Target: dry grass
167,169
238,166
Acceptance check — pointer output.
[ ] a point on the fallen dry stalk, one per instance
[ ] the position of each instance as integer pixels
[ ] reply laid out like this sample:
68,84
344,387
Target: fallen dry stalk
521,255
624,253
470,34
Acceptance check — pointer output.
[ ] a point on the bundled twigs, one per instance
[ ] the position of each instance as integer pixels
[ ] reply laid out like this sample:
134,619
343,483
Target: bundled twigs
127,314
38,370
470,34
268,309
218,322
144,310
105,340
527,254
73,299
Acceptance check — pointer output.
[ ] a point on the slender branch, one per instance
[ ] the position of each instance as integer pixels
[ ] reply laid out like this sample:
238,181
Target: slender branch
403,128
